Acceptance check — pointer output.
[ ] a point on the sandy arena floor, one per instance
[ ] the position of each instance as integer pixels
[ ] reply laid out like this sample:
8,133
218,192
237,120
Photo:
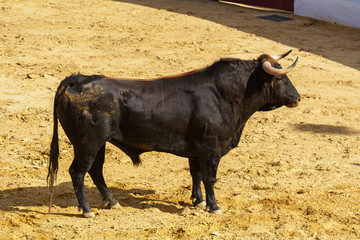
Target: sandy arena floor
295,174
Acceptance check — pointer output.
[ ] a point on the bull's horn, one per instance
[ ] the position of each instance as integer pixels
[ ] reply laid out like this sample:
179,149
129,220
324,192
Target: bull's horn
275,71
281,56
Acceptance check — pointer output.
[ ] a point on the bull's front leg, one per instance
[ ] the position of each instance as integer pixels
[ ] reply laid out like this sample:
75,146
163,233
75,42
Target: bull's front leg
195,171
209,168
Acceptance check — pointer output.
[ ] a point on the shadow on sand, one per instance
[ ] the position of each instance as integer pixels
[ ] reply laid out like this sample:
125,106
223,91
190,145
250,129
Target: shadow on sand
315,36
18,198
326,129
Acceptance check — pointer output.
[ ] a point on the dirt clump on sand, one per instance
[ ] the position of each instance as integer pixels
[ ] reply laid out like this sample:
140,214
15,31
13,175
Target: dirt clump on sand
295,173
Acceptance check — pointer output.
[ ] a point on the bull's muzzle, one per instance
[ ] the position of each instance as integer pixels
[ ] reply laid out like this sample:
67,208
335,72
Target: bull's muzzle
293,105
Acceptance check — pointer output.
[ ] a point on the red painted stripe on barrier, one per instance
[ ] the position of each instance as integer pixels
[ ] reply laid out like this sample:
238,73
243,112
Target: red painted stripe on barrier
287,5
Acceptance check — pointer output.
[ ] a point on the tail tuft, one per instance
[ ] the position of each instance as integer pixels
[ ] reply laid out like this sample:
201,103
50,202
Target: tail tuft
136,160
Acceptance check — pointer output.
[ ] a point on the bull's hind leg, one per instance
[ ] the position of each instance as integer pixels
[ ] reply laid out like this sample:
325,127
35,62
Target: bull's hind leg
195,172
83,160
77,176
96,173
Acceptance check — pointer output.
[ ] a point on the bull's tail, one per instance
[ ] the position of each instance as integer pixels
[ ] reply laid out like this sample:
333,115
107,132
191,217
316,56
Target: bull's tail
54,147
53,161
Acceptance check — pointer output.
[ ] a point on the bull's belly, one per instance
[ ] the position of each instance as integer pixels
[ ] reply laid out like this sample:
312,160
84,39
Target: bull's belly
178,148
171,138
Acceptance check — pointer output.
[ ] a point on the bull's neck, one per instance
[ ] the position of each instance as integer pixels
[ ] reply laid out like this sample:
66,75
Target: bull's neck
251,94
256,94
250,104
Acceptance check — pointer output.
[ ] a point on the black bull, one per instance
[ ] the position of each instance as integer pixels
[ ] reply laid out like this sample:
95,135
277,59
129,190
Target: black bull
199,115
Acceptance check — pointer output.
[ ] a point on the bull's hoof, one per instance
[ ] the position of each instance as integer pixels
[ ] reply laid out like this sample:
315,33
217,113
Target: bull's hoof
217,211
112,206
196,203
201,205
106,203
89,215
115,206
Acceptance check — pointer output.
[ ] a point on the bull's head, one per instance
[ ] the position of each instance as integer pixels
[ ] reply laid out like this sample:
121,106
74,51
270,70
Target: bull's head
282,91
